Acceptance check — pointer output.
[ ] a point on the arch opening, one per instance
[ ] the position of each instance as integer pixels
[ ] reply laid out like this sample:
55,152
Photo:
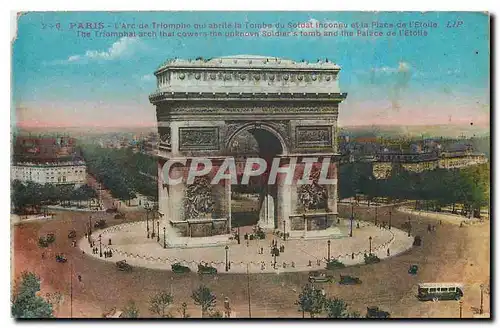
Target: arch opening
255,202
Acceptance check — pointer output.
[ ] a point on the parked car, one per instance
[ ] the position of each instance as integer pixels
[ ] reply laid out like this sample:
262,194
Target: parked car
206,269
349,280
178,268
123,266
334,264
372,258
72,234
101,224
61,258
413,269
376,312
319,277
50,238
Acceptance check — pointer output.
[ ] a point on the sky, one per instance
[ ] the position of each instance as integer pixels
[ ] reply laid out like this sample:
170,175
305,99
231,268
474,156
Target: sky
62,79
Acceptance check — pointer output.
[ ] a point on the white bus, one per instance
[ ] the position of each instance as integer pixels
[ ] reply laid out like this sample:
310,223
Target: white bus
440,291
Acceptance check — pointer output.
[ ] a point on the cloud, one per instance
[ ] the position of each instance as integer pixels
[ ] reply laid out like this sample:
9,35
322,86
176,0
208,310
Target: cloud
124,47
403,67
148,77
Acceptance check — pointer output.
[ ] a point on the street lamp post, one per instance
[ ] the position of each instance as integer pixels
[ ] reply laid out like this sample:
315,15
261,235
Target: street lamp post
460,303
328,242
147,221
164,238
158,231
390,219
238,235
370,239
90,226
284,232
376,214
227,264
100,246
153,225
350,232
409,227
481,307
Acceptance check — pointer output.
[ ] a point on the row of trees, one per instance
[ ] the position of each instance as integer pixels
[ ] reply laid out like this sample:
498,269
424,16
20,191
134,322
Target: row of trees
27,303
122,171
30,196
160,303
440,187
314,302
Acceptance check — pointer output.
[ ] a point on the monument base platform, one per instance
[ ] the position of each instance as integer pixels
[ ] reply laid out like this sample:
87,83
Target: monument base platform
197,242
330,233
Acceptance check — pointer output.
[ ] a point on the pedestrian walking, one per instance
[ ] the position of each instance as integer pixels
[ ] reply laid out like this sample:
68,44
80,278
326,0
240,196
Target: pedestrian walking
388,252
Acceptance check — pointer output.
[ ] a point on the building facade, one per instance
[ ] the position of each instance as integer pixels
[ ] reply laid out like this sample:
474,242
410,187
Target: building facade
48,160
418,162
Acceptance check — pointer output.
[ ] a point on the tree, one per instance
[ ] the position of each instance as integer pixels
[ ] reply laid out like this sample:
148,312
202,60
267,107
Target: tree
311,300
130,310
160,302
204,298
26,303
337,308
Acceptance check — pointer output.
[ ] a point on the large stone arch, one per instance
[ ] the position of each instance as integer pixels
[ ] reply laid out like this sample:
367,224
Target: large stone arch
202,105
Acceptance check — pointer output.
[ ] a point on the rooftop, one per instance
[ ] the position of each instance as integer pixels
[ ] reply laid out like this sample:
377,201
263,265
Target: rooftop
246,61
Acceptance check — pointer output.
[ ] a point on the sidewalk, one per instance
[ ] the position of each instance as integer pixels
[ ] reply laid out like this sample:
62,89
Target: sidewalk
129,243
448,217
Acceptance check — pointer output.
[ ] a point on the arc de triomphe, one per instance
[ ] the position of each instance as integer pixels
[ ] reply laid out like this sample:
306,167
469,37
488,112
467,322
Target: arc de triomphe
291,109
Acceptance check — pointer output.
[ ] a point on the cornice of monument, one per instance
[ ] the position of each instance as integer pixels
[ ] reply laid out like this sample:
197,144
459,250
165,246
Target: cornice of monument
231,96
247,62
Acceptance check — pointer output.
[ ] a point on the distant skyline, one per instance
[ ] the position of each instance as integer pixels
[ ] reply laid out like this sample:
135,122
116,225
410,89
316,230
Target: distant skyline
61,80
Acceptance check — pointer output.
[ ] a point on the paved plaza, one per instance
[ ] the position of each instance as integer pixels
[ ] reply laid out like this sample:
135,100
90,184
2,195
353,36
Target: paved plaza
130,243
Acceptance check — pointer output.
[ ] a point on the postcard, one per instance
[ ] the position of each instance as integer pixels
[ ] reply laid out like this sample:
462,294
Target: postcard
265,164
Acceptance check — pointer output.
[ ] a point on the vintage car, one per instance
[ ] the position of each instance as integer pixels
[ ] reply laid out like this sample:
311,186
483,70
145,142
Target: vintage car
372,258
413,269
123,266
206,269
374,312
334,264
72,234
50,238
349,280
61,258
112,210
417,241
178,268
101,224
319,277
119,216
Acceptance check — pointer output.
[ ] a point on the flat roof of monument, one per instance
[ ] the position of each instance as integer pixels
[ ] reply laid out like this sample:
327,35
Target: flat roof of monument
248,61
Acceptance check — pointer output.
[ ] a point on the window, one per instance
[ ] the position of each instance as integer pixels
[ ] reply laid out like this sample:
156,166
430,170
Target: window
433,290
444,289
451,289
